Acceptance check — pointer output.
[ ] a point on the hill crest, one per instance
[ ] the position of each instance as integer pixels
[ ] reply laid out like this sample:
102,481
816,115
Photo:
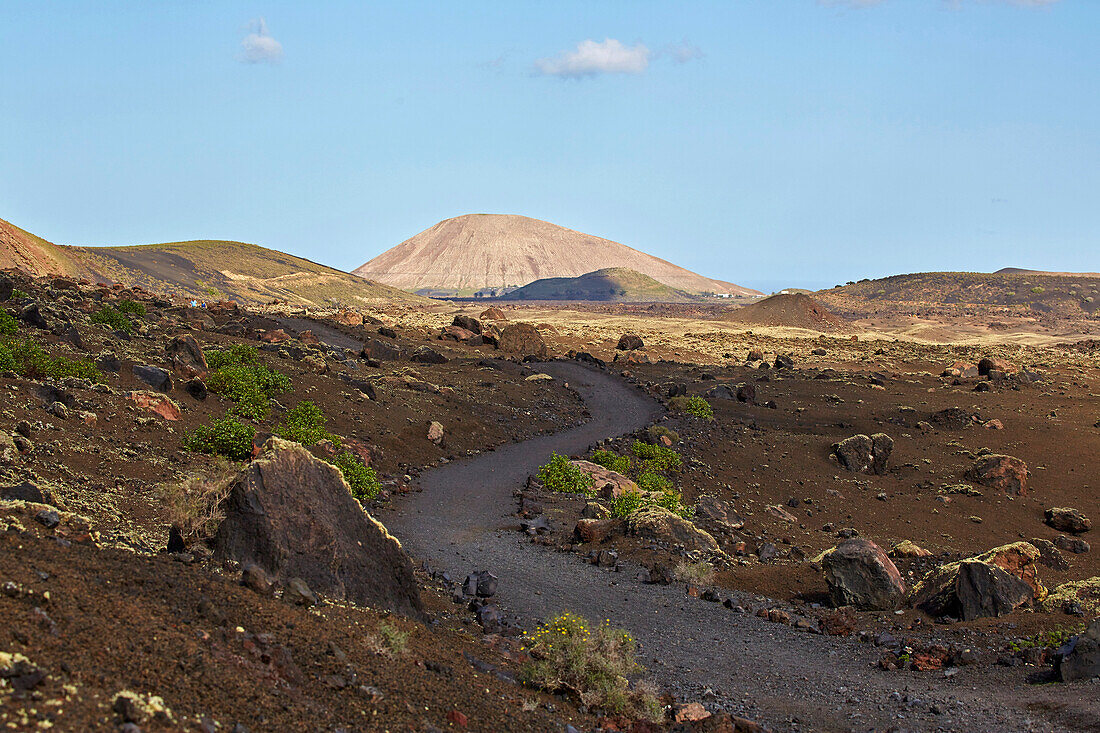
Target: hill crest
498,251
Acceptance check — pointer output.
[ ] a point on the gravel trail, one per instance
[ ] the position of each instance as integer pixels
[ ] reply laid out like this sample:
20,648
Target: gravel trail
464,520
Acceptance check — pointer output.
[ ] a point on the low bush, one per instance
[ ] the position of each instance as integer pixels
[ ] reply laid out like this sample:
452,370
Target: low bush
657,457
627,503
305,423
132,307
558,474
193,505
649,480
27,358
567,653
115,320
224,437
8,324
362,479
238,374
700,573
695,406
612,461
656,432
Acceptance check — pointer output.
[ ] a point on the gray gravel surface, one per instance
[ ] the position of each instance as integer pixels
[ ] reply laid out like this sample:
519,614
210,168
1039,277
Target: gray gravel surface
464,520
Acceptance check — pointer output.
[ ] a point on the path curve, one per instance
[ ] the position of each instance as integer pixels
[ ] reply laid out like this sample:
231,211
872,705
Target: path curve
464,520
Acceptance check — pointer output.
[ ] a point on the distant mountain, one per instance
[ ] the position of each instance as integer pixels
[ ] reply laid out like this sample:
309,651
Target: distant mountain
615,284
498,251
201,270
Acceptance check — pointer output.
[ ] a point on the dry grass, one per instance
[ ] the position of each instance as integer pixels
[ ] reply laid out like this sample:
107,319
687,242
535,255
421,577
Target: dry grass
697,573
193,505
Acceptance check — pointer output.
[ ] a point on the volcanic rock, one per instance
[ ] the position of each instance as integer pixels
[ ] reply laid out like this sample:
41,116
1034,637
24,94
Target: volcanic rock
1065,519
658,524
991,584
630,342
522,338
860,574
863,454
607,483
294,516
1080,658
186,357
1001,472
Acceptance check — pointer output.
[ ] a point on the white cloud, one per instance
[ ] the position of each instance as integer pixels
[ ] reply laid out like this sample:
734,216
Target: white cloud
591,58
258,47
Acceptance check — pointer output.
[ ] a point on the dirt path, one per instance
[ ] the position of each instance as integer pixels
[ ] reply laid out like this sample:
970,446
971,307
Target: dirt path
464,521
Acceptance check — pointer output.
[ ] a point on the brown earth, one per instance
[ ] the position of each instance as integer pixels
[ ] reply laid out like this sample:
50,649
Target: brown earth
791,311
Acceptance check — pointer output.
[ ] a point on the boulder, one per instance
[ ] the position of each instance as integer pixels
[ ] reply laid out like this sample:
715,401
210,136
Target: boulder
274,336
381,350
755,355
988,585
961,369
988,366
348,318
784,361
428,355
658,524
860,574
630,342
1080,597
1065,519
1003,473
466,322
522,338
32,316
155,377
713,509
435,432
1080,658
294,516
462,335
186,357
608,484
720,392
953,418
29,491
155,402
865,454
492,314
1076,545
908,548
588,531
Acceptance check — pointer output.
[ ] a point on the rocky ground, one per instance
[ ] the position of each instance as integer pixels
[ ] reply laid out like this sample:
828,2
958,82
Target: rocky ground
110,629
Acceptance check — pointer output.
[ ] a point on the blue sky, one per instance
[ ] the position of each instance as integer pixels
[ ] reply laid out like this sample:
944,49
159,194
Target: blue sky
768,142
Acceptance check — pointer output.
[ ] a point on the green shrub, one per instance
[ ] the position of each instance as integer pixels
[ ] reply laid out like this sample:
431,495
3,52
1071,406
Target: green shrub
132,307
8,324
362,479
656,432
112,318
16,294
674,501
567,653
649,480
627,503
560,475
657,457
305,423
27,358
224,437
238,374
612,461
1037,290
695,406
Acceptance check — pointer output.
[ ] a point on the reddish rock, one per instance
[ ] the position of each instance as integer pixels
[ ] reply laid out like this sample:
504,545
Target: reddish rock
186,356
961,369
993,424
492,314
689,713
307,338
456,718
607,483
1065,519
1000,472
457,333
589,531
274,336
348,318
987,366
155,402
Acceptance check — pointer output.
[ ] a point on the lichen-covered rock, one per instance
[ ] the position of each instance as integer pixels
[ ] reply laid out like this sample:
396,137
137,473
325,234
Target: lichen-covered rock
987,585
860,574
908,548
1080,658
658,524
294,516
1077,596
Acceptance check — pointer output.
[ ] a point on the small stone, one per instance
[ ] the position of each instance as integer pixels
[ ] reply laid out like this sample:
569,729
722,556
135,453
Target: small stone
48,518
298,593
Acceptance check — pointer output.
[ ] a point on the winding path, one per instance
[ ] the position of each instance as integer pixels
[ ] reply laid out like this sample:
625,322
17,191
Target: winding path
464,520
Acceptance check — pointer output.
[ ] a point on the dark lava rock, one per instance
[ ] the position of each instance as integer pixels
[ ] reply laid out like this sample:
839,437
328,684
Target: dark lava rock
196,388
108,362
630,342
387,332
522,338
155,377
428,355
28,491
381,350
48,518
784,361
32,316
293,515
1000,472
186,357
1080,658
1065,519
860,574
470,324
482,584
175,540
865,454
954,418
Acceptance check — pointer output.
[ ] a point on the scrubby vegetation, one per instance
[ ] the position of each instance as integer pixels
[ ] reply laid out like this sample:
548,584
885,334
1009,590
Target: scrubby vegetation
225,437
193,505
612,461
647,466
656,432
27,358
362,479
699,573
305,423
8,324
567,653
112,318
656,457
238,374
558,474
131,307
695,406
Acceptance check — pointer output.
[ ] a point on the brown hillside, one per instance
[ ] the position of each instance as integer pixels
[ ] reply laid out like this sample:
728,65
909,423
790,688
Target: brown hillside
479,251
200,270
789,310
